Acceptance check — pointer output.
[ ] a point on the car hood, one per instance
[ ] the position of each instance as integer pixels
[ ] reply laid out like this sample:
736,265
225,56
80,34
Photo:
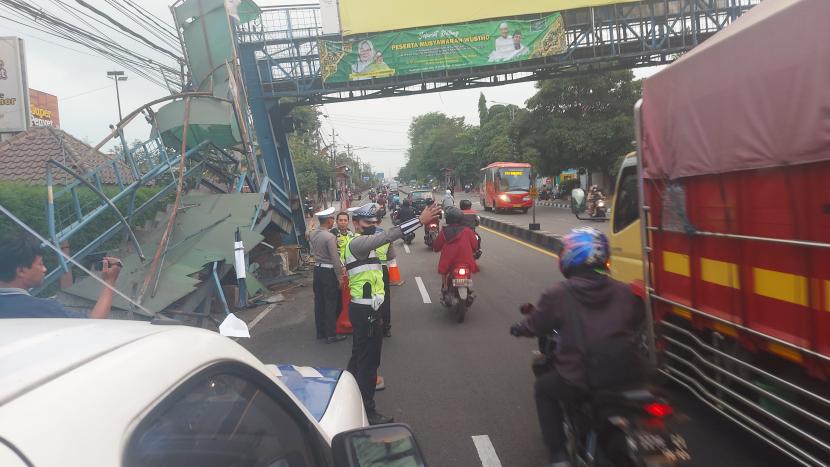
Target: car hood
314,387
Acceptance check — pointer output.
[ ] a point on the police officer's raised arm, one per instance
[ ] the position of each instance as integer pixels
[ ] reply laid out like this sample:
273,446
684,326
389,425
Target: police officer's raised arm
362,245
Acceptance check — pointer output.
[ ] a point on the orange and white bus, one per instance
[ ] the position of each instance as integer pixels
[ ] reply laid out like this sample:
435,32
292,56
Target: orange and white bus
506,186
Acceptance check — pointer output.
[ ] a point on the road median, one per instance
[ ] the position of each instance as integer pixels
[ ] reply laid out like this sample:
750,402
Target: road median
540,238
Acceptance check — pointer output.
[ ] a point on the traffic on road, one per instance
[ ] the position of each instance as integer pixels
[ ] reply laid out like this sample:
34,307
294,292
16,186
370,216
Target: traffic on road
625,272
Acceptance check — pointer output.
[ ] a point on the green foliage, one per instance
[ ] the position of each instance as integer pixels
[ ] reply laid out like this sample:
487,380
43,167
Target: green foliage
28,203
584,121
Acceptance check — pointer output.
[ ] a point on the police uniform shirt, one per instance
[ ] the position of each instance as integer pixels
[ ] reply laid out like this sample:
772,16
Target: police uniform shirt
324,249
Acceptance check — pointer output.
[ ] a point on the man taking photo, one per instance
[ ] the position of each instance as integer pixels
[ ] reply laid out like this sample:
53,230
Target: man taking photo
21,268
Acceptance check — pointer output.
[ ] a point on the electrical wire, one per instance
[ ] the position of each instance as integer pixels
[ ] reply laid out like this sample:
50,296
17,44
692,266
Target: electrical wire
86,92
42,20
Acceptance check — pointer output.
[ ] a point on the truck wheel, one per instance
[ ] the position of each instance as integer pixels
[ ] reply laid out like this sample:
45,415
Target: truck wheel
524,210
484,204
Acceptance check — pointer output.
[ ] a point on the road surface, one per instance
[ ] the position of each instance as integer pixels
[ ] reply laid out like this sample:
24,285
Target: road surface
456,383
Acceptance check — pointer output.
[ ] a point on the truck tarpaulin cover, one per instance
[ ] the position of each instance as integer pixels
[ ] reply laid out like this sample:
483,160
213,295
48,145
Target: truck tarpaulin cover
755,95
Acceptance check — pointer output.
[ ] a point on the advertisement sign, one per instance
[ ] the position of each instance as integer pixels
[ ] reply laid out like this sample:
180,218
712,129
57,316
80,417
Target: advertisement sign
366,16
440,48
44,109
14,105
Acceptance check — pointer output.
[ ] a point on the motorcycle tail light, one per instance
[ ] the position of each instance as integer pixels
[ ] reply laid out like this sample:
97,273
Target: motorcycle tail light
433,226
658,409
463,271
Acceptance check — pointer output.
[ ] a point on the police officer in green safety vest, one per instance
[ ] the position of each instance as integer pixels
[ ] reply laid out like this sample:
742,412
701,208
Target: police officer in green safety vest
365,272
385,254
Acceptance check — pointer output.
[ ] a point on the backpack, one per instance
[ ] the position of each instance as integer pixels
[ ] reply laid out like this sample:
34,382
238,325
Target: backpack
611,362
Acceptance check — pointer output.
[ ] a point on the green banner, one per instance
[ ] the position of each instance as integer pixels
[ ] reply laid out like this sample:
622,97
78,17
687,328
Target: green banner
438,48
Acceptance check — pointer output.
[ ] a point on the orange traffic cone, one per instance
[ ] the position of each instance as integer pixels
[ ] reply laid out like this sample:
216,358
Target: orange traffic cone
394,273
344,326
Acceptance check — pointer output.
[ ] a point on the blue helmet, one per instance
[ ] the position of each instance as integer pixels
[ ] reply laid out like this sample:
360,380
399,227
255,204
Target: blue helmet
583,248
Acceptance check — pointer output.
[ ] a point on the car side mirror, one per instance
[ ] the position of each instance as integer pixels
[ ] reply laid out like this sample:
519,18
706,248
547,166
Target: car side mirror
578,201
392,444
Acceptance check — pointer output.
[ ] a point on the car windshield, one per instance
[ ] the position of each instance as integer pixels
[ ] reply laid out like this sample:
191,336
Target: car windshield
421,195
513,179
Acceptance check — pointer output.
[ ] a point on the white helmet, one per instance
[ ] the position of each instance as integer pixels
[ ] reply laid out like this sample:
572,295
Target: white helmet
449,192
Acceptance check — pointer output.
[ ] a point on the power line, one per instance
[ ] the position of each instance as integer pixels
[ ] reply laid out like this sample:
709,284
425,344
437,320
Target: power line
85,93
40,19
128,30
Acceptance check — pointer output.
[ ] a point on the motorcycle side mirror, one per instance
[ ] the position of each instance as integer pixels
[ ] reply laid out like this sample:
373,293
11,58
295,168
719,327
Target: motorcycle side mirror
578,201
391,444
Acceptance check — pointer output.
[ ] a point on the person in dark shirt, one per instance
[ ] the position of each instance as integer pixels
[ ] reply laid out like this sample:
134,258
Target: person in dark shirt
406,212
21,268
588,303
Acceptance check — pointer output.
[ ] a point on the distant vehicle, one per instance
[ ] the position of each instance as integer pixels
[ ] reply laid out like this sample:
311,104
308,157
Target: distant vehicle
506,186
393,186
419,199
107,392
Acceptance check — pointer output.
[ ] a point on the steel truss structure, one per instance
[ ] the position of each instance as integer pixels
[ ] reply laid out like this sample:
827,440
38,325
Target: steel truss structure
282,45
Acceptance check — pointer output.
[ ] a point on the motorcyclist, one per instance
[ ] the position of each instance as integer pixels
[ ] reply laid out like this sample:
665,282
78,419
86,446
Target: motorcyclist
394,201
594,196
448,200
456,243
471,220
406,212
590,303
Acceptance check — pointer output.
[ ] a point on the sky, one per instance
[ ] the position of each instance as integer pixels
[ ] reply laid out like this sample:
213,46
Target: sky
375,128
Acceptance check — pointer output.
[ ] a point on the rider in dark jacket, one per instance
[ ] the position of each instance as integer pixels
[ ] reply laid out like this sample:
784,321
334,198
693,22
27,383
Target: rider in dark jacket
406,212
607,308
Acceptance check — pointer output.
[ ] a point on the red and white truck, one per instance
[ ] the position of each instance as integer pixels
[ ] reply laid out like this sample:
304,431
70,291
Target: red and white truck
722,221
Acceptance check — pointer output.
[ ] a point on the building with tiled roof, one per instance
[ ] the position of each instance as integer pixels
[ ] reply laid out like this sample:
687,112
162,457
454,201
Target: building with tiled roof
23,158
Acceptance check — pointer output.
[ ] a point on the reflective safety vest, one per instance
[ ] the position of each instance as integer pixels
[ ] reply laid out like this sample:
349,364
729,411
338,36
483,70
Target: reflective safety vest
382,252
341,240
365,276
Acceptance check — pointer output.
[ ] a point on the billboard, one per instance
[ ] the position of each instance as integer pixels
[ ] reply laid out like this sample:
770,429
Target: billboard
437,48
44,109
14,100
365,16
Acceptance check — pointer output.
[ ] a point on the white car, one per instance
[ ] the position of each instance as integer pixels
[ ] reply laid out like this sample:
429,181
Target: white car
78,392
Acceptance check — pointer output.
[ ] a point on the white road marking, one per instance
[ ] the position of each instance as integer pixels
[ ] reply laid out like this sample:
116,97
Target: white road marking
423,290
486,451
262,315
406,248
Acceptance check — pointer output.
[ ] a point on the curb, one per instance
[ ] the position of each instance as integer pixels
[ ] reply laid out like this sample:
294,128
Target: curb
540,238
554,204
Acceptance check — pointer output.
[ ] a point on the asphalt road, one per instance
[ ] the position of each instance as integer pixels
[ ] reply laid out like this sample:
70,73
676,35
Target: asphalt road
452,382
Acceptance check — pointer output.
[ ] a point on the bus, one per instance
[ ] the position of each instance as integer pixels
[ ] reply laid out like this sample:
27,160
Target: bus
506,186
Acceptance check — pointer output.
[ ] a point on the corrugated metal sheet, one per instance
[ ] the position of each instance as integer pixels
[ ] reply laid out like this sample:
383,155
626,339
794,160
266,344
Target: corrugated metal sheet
204,233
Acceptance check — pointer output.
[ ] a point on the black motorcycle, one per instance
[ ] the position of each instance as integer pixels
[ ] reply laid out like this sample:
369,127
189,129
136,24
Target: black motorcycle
619,428
458,295
430,233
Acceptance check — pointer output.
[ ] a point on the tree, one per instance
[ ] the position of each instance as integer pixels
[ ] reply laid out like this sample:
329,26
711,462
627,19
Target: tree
482,109
583,121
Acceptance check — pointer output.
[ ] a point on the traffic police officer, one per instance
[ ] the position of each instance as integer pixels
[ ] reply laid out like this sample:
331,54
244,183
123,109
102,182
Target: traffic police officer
328,274
367,295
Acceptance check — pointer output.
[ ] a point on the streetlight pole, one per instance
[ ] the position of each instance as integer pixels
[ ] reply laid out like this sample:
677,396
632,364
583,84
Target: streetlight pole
117,76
